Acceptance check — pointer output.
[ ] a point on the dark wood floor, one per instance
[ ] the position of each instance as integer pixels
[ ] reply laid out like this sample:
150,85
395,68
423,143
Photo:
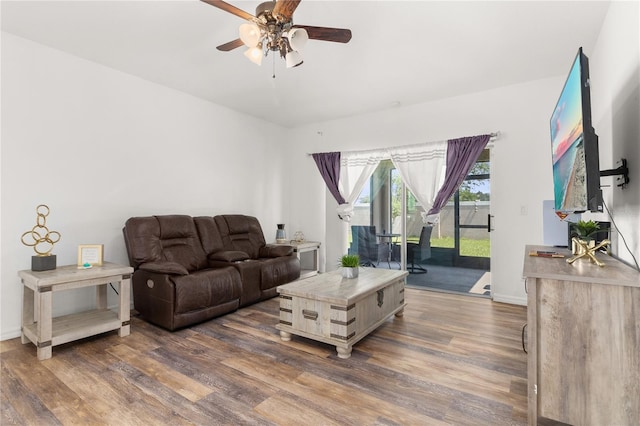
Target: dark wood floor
450,360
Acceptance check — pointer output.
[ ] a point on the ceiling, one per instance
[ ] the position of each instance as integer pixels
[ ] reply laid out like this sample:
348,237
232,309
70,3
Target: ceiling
401,53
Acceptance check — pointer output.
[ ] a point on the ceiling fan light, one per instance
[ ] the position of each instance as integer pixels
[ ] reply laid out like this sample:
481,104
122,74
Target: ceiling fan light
298,38
254,54
250,34
293,59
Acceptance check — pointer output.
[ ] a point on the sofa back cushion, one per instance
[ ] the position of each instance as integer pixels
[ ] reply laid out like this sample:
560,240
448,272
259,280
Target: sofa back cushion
209,234
169,238
240,233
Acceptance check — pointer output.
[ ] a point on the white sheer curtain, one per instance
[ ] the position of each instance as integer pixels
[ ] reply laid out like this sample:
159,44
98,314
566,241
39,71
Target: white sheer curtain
355,170
422,169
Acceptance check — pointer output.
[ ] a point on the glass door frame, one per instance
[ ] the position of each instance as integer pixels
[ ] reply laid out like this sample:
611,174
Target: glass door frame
458,260
468,261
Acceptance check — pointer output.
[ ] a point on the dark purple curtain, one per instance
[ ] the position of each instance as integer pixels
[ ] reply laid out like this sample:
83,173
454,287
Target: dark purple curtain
329,165
461,156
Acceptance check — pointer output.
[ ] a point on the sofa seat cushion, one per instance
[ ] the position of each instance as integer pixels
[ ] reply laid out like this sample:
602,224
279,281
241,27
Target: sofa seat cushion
278,271
274,250
171,268
229,256
206,288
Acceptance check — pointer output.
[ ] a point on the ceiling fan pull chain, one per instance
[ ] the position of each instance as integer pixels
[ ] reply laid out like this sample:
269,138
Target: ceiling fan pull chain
274,65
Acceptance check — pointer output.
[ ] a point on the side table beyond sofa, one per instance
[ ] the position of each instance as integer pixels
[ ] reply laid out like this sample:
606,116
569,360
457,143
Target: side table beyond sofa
308,262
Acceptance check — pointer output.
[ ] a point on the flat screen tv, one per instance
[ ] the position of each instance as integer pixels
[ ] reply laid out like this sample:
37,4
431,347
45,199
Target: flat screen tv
576,164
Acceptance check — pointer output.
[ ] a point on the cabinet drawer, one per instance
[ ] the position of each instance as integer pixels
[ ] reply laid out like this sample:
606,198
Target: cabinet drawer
311,316
379,305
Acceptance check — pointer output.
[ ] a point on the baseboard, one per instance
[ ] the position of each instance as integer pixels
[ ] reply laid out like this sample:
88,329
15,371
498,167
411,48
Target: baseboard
11,334
513,300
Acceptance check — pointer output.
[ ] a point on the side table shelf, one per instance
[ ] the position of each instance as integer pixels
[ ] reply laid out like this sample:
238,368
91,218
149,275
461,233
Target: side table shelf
44,332
308,253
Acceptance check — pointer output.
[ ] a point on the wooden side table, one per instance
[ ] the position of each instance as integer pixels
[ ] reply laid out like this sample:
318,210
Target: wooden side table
308,253
44,332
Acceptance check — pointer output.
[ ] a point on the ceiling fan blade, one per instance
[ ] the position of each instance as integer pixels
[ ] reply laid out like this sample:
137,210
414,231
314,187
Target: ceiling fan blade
231,9
339,35
231,45
284,9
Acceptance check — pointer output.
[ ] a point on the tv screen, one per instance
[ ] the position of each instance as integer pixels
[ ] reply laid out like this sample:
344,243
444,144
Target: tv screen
576,164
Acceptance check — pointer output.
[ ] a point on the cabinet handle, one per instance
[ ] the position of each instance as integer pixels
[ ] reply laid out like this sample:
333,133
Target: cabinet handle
312,315
523,346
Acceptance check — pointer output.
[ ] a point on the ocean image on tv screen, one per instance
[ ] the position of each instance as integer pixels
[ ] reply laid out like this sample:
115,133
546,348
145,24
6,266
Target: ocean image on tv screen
567,141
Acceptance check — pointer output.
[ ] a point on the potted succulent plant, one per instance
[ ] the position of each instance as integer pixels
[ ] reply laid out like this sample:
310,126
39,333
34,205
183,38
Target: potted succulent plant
350,264
585,231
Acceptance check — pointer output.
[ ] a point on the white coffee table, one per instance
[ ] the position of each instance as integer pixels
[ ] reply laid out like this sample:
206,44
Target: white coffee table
340,311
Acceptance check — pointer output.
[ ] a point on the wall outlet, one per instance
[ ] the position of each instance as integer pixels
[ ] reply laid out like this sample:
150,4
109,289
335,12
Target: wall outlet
524,210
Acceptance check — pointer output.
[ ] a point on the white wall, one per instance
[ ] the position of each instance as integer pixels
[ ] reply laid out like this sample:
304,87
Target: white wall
99,146
521,165
615,96
521,162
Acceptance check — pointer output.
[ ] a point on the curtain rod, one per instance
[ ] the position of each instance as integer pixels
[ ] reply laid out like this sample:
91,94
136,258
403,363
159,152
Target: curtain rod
492,137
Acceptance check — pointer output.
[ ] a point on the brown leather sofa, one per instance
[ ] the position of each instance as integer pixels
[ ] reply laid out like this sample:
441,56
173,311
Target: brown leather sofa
191,269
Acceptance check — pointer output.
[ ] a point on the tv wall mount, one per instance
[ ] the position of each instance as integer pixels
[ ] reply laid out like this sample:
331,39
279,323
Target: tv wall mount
622,170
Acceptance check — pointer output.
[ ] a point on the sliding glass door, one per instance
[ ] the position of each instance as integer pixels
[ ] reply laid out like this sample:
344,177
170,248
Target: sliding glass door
461,236
459,239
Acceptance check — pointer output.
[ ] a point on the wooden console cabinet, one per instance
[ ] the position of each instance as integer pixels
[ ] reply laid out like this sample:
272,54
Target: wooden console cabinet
583,332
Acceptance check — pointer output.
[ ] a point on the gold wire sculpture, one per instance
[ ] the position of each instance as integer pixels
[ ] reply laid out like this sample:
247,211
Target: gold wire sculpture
40,238
588,251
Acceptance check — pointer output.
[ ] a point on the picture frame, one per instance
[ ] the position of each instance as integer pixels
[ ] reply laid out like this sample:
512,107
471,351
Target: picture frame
91,254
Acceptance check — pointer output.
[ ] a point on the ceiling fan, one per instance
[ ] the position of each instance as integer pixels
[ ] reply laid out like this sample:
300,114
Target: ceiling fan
272,29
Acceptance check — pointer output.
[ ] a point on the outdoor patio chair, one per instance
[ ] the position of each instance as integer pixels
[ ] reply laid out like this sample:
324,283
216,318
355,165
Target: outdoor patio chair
364,243
418,253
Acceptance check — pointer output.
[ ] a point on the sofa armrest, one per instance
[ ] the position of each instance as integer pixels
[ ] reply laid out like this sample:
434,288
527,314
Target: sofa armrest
275,250
172,268
229,256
